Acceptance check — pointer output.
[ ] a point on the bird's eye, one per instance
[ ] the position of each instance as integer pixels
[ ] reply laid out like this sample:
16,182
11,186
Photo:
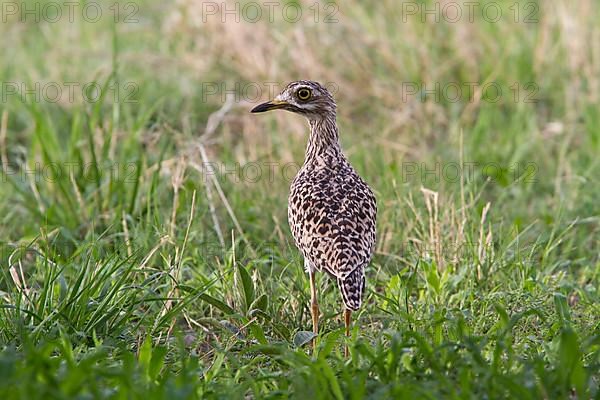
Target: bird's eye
303,94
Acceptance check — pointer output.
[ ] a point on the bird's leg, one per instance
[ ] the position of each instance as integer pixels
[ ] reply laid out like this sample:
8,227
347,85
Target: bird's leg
314,307
347,316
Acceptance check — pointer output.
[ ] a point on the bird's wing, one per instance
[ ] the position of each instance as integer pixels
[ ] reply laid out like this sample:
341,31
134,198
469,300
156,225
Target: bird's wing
334,222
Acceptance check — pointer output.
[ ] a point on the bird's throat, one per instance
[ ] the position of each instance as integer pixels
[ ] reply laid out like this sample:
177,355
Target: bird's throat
323,139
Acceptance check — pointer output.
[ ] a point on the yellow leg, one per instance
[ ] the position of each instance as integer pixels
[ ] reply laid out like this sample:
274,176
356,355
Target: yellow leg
347,316
314,310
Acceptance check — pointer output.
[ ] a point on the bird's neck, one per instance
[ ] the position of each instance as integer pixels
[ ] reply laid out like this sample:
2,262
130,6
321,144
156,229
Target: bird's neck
323,139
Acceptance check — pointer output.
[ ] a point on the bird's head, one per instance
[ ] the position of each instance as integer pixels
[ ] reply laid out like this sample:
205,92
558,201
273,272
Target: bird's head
308,98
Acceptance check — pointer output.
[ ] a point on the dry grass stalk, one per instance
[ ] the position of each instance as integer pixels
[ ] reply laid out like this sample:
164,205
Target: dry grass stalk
484,243
176,182
435,242
3,141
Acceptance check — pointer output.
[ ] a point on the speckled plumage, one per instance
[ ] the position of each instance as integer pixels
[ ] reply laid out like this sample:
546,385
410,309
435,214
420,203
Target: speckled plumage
331,210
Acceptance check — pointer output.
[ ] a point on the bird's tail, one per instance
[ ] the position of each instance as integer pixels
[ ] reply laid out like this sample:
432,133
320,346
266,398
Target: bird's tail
352,288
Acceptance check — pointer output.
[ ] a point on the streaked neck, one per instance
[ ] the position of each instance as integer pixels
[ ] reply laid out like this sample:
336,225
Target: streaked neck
323,138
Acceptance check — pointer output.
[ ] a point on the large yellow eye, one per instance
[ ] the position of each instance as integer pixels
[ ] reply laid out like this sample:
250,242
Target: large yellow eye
303,94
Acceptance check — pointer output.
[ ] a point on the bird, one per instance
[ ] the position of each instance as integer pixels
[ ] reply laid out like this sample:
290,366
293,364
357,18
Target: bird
331,209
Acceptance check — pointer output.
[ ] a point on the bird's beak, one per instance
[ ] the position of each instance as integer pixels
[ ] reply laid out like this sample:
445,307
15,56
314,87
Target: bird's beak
269,105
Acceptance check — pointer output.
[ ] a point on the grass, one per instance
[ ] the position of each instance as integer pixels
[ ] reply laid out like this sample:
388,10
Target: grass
131,269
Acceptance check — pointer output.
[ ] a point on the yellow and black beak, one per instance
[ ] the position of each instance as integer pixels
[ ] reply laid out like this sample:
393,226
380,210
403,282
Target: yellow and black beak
269,105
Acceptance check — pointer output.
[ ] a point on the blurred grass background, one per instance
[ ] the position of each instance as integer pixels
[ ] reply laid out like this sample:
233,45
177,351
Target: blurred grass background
130,270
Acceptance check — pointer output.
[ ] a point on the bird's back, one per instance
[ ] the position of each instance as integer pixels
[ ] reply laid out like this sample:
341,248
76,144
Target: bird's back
332,214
